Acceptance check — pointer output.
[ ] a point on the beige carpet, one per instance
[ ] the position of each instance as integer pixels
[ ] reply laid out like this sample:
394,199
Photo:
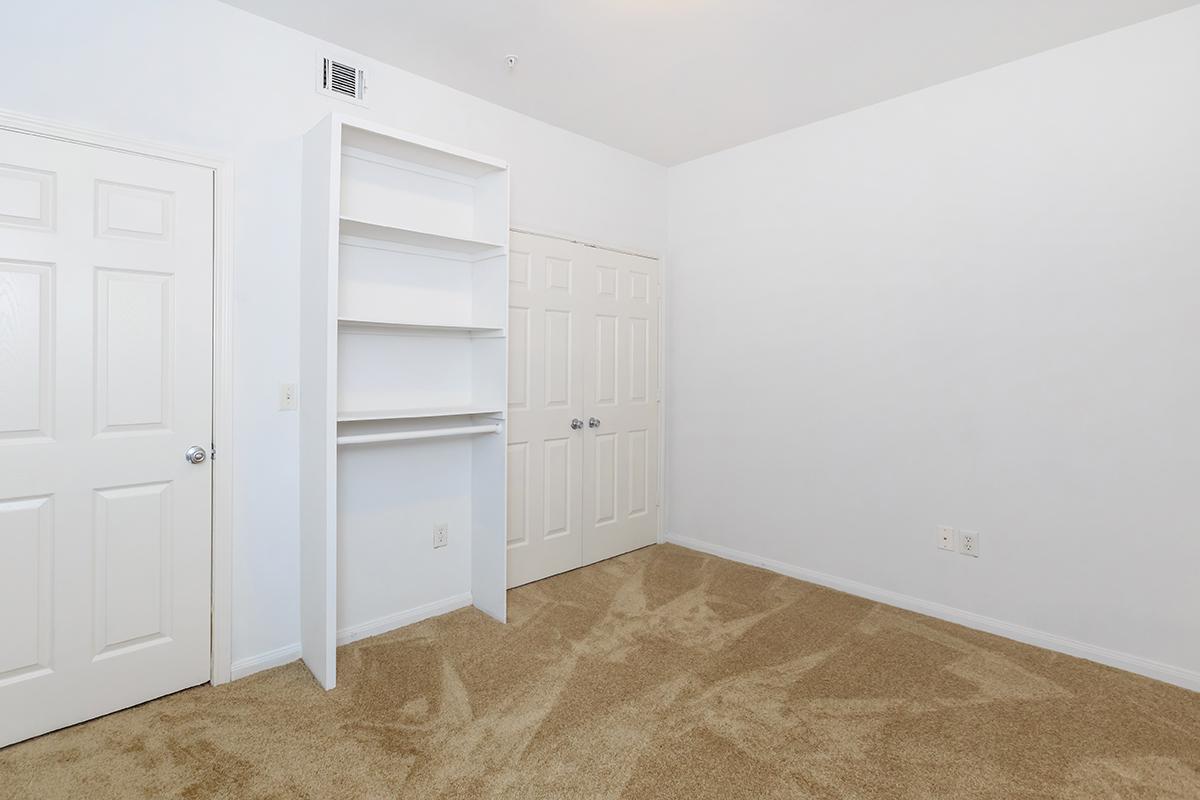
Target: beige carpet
660,674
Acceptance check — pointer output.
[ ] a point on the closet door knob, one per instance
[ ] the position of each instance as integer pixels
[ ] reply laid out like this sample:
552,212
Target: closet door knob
593,422
576,424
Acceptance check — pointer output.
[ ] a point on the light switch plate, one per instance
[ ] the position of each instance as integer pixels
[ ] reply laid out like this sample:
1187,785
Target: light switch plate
287,397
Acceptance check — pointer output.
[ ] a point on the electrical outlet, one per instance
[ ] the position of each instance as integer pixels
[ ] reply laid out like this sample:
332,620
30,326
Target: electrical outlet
945,538
287,397
441,534
968,543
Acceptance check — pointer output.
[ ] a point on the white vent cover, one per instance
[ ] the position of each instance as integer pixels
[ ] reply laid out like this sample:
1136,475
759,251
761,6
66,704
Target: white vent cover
339,79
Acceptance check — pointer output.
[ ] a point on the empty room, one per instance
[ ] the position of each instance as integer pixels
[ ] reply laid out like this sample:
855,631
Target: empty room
613,399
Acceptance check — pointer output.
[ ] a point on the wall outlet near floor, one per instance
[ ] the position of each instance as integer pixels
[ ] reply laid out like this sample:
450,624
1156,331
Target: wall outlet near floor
287,397
441,534
968,543
945,538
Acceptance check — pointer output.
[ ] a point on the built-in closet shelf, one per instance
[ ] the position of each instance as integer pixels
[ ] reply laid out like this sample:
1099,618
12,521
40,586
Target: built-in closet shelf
415,238
383,326
404,360
427,433
416,413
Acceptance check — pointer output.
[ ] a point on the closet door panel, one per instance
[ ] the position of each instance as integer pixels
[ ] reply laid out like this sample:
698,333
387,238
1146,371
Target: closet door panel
545,454
620,387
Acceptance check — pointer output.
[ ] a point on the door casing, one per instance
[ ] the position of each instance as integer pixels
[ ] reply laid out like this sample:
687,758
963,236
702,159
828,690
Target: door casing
223,462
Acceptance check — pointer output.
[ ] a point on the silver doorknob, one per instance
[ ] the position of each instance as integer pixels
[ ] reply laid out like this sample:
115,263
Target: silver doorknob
593,422
195,454
576,424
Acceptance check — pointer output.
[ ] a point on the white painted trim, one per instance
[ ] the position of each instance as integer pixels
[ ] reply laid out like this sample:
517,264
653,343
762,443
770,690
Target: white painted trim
223,259
289,653
1178,676
663,517
401,618
272,658
224,462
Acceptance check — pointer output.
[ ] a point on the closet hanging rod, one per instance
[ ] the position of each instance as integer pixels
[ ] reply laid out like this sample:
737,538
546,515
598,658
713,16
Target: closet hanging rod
428,433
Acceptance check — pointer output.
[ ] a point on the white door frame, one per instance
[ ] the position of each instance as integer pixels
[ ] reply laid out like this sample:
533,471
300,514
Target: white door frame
662,359
222,353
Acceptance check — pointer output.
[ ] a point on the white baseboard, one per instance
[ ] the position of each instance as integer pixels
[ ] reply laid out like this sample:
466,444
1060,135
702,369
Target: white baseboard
272,658
286,655
375,627
1188,679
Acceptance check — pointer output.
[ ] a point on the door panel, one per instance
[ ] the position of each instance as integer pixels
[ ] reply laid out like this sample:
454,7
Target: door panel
25,588
134,323
132,580
26,404
545,455
105,349
583,328
604,471
620,463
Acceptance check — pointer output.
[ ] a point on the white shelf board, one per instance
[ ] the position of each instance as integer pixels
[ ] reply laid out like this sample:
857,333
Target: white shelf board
378,325
383,415
415,238
428,433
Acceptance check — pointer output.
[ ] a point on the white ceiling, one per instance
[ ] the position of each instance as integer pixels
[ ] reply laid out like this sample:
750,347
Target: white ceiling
672,80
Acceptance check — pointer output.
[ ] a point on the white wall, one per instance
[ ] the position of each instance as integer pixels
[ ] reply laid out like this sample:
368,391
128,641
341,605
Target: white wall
201,75
977,305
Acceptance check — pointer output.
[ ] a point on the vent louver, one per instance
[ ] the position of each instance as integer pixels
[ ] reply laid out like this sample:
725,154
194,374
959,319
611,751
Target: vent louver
342,80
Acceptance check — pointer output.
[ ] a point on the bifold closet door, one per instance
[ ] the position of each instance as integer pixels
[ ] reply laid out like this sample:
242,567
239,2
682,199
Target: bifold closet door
545,400
620,402
583,405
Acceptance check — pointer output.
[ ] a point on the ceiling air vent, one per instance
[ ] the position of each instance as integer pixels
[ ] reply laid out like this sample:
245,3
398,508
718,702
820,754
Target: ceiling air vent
339,79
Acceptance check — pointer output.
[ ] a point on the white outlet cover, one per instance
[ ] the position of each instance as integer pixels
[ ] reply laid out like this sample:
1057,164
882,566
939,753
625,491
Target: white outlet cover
441,535
968,543
945,538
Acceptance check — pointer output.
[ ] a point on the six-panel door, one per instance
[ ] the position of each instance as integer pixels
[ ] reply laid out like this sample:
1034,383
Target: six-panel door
620,391
105,353
545,394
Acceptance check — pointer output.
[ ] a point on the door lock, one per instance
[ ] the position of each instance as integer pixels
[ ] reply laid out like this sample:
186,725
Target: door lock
195,454
593,422
576,424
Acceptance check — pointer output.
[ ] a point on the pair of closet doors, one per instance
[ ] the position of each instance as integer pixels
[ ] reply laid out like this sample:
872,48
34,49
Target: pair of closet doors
583,403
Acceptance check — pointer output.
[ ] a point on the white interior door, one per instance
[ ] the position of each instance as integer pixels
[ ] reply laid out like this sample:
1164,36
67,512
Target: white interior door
545,396
105,351
583,338
620,393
